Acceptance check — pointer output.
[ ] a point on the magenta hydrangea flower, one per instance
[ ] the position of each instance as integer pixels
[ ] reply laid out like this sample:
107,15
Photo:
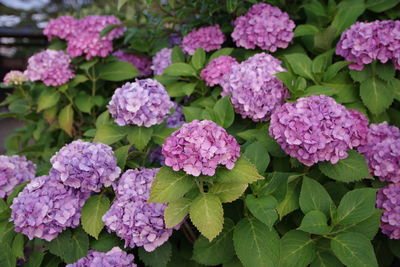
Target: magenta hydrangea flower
14,77
382,151
85,166
64,27
264,26
161,61
14,170
389,201
316,128
209,38
213,73
256,92
199,147
116,257
52,67
142,103
46,207
143,64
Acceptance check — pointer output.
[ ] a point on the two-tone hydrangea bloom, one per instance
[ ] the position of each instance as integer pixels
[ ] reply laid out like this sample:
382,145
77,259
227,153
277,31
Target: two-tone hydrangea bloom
52,67
388,199
316,128
46,207
116,257
382,151
85,166
143,64
142,103
199,147
213,73
209,38
256,92
161,61
264,26
177,118
63,27
14,77
14,170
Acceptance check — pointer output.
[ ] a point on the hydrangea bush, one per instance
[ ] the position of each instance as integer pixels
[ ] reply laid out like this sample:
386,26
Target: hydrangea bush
207,133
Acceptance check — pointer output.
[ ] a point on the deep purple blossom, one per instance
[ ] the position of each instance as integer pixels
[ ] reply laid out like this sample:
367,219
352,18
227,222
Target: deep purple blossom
116,257
177,118
161,61
143,64
213,73
209,38
63,27
174,39
388,199
14,77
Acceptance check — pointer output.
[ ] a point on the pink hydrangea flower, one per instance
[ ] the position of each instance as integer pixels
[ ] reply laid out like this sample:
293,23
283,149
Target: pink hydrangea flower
209,38
214,72
64,27
14,77
388,199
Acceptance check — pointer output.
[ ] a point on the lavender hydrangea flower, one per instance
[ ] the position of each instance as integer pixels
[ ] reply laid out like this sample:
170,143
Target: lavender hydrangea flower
142,103
14,170
14,77
256,92
209,38
389,201
143,64
85,166
177,118
213,73
46,207
316,128
382,151
116,257
199,147
52,67
161,61
64,27
264,26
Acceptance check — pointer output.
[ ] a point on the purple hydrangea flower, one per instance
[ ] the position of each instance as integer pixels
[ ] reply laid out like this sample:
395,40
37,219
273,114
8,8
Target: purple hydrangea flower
209,38
14,77
264,26
256,92
142,103
63,27
113,258
174,39
161,61
389,201
46,207
382,151
85,166
213,73
14,170
177,118
316,128
143,64
156,155
52,67
199,147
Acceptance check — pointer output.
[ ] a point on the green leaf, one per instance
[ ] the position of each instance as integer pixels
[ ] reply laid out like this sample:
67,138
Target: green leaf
7,232
263,208
7,258
18,246
48,98
181,89
313,196
305,29
221,52
170,185
109,134
106,242
157,258
347,13
84,102
160,136
117,71
291,200
66,119
333,69
177,55
207,215
297,249
139,136
103,119
35,259
223,110
257,153
354,250
192,113
301,64
92,212
244,172
255,244
231,5
325,259
121,3
176,211
368,227
385,71
315,222
219,251
379,6
319,90
351,169
198,58
322,61
180,69
228,192
376,94
88,64
122,154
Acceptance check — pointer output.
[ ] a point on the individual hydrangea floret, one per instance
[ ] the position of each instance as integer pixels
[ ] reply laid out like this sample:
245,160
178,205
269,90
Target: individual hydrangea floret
213,73
256,92
46,207
177,118
388,199
161,61
63,27
382,151
85,166
14,170
199,147
116,257
14,77
143,64
209,38
52,67
142,103
264,26
316,128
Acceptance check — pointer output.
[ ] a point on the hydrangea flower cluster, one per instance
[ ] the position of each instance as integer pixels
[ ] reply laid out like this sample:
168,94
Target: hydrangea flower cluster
14,77
382,151
199,147
214,72
209,38
85,166
256,92
63,27
365,42
161,61
174,39
142,103
264,26
316,128
113,258
143,64
177,118
14,170
388,199
52,67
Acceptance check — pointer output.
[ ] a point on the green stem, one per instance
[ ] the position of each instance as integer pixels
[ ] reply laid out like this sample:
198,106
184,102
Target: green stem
93,78
200,186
